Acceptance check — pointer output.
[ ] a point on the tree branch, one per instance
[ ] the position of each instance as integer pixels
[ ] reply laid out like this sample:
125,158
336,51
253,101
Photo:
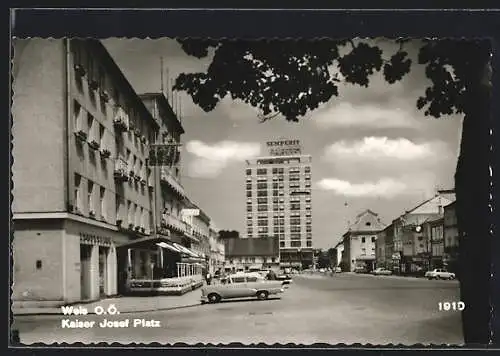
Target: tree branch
263,118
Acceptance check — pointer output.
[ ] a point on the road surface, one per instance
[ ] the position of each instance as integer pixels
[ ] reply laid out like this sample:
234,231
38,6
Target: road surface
345,308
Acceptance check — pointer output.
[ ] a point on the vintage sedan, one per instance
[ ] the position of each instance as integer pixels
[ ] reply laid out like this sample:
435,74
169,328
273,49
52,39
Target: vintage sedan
439,273
381,272
241,285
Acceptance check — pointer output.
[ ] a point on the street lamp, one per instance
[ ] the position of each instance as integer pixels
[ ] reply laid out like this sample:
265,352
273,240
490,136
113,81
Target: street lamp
299,250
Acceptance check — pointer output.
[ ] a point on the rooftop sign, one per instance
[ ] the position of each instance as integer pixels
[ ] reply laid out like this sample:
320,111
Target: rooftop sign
284,147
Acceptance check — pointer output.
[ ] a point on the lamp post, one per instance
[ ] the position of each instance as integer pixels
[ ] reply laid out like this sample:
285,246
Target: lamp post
299,250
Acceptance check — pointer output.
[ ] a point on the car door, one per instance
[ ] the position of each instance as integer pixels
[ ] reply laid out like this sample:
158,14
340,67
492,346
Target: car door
252,285
237,288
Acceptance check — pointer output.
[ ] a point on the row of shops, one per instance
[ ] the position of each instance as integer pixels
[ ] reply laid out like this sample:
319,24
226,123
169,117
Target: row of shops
173,268
75,261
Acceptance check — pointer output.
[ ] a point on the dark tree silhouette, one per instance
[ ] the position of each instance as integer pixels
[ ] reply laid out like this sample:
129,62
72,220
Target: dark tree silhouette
288,78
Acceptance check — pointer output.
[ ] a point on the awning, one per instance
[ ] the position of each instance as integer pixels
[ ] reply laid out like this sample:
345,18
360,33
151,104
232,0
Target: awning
146,241
168,246
185,250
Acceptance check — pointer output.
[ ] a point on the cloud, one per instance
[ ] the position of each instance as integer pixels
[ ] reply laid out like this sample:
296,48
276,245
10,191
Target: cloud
210,160
385,187
345,114
384,148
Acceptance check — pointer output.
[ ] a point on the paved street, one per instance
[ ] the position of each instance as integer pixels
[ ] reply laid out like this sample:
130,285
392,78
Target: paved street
345,308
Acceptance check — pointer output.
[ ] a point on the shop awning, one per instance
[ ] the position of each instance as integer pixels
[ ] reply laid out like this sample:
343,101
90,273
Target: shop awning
185,250
168,246
147,241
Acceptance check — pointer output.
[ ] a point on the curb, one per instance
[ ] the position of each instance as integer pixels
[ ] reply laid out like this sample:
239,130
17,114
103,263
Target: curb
122,312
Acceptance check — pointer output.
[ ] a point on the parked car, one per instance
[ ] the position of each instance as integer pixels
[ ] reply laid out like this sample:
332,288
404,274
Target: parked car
439,273
381,272
241,285
285,278
360,269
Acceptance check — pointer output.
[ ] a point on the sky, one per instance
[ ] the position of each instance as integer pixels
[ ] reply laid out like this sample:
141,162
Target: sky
371,148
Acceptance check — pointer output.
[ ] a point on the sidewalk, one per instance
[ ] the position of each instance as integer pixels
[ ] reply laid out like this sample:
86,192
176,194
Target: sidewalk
125,304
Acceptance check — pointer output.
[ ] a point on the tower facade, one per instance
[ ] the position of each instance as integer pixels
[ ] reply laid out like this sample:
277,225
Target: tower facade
279,201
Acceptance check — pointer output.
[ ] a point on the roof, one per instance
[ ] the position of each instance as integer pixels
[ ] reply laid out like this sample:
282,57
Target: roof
366,221
261,246
163,101
428,201
114,70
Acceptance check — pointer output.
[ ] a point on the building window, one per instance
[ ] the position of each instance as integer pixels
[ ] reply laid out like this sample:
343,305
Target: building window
77,113
102,197
295,243
373,238
130,212
77,196
262,222
249,186
249,171
90,197
307,169
102,139
261,171
363,240
282,243
90,125
249,193
262,193
309,243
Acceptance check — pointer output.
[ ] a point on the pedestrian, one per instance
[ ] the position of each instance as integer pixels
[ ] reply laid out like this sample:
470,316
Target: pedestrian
271,276
208,278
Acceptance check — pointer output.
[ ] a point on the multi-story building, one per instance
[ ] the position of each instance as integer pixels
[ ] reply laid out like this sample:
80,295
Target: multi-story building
201,232
340,251
380,253
450,238
216,251
243,254
82,186
409,238
278,191
359,241
434,231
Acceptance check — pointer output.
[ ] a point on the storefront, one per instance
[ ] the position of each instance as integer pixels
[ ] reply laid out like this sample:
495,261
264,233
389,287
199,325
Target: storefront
365,262
157,265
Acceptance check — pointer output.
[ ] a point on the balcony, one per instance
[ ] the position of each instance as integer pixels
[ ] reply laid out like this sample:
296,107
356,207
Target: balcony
121,120
120,172
167,179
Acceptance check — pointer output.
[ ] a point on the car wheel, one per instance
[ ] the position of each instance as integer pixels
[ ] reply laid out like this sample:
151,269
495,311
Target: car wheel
213,298
262,295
